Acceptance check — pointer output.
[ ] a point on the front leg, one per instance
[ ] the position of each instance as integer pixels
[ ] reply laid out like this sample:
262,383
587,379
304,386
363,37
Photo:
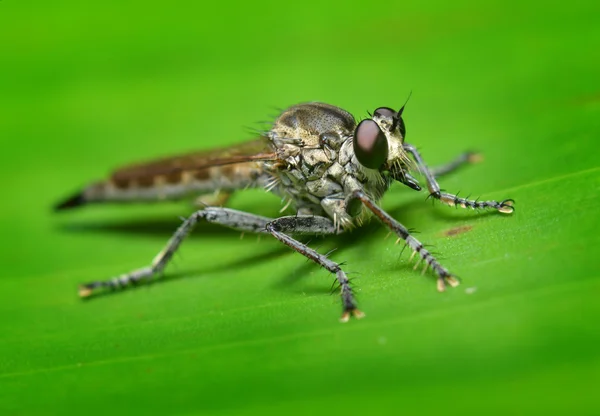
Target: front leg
505,206
282,227
444,276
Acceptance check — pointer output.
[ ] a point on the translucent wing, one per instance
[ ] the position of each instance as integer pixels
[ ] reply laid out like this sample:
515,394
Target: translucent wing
228,168
172,167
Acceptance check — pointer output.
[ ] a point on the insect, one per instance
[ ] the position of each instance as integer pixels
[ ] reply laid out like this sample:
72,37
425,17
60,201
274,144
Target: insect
327,167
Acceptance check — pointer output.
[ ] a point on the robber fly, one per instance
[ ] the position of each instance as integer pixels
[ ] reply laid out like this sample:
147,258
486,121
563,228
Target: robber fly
330,169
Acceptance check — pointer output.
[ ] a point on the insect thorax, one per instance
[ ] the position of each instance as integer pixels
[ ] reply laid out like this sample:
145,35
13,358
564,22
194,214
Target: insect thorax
317,169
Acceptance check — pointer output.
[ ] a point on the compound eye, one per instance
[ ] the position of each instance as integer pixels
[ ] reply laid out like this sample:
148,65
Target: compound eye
385,112
370,144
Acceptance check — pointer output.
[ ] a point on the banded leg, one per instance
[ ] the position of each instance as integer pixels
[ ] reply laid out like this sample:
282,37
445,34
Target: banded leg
281,227
444,276
227,217
505,206
462,159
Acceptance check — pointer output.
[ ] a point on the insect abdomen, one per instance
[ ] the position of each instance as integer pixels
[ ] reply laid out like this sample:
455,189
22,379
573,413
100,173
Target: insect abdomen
175,185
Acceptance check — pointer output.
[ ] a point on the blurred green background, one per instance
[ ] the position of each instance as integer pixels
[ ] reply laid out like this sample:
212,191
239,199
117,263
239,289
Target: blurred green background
241,326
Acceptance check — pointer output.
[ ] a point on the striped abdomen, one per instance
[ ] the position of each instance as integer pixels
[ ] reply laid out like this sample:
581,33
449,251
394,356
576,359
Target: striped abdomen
183,176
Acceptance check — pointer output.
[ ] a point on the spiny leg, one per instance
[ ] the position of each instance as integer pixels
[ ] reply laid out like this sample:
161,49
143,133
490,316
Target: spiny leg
505,207
443,274
462,159
227,217
281,227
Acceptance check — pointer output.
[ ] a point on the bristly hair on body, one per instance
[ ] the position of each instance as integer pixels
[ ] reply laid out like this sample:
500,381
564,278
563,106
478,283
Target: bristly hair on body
329,169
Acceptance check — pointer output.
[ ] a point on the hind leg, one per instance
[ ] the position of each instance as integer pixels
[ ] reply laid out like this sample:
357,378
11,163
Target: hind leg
230,218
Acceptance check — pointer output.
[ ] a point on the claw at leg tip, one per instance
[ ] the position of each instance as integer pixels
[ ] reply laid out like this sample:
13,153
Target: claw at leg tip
475,157
345,317
452,281
507,206
84,291
356,313
441,286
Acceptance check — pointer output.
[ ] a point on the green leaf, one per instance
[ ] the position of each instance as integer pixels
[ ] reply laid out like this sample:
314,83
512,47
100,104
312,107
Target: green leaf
246,326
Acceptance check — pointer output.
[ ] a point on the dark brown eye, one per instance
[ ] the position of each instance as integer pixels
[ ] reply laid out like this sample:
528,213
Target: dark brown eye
385,112
370,144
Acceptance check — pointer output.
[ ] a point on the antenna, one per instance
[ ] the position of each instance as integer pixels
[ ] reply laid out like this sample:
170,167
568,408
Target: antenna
402,108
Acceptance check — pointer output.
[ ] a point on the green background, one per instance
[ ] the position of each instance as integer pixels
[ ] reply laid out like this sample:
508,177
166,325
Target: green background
246,326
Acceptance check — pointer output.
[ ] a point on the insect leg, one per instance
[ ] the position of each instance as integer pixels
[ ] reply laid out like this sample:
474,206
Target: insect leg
281,227
227,217
462,159
505,206
444,276
215,199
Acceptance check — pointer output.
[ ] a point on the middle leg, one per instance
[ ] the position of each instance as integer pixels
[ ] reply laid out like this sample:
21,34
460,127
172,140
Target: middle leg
460,160
282,227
